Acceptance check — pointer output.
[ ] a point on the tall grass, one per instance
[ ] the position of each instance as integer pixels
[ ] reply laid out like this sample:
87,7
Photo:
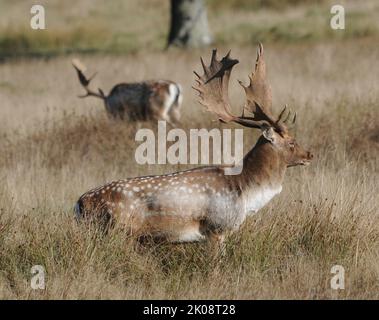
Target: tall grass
56,146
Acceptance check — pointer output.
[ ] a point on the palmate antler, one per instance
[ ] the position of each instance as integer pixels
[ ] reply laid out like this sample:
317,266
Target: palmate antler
213,86
213,91
84,81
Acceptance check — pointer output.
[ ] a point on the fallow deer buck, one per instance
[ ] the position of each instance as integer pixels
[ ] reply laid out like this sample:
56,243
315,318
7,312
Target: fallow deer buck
205,203
140,101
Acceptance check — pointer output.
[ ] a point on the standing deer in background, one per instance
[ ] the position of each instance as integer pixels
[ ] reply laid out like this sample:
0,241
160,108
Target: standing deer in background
205,203
140,101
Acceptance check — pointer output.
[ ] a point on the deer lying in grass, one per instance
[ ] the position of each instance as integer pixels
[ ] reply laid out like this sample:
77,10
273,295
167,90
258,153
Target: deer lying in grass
140,101
204,203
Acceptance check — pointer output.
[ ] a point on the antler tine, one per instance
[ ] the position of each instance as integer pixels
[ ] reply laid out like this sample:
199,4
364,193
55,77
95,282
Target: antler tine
203,65
197,75
288,123
291,125
281,113
259,50
288,116
214,55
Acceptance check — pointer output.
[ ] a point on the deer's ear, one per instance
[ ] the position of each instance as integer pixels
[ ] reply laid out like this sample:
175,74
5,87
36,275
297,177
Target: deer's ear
269,134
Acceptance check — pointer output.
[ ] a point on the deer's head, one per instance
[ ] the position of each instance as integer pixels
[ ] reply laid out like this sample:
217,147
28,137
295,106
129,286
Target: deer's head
213,91
287,147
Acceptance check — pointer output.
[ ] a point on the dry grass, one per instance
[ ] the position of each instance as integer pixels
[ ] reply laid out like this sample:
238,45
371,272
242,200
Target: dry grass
56,146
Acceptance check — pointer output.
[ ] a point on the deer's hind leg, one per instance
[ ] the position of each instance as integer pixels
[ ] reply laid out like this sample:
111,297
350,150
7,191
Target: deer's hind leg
215,237
174,229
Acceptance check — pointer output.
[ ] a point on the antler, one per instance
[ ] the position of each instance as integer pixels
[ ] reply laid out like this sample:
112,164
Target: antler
79,67
258,92
213,86
213,89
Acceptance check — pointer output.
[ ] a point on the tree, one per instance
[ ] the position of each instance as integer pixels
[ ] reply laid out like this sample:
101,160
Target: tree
189,24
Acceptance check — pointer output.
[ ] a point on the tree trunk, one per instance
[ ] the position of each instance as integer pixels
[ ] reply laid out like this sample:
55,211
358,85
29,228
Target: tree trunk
189,24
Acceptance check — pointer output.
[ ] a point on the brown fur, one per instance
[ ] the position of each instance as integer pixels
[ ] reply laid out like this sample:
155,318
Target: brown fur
141,205
144,101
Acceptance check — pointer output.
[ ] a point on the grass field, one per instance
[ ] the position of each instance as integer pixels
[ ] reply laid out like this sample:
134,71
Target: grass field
56,146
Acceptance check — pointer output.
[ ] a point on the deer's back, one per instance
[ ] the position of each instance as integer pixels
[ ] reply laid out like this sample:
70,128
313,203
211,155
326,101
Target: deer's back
138,100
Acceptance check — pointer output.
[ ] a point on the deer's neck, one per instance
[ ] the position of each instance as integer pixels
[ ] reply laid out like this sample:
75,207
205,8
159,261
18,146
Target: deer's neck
263,167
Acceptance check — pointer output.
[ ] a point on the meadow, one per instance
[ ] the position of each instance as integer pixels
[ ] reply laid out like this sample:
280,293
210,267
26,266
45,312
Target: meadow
55,146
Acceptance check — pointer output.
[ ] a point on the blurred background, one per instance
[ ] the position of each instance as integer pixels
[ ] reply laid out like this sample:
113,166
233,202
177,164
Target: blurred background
131,26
